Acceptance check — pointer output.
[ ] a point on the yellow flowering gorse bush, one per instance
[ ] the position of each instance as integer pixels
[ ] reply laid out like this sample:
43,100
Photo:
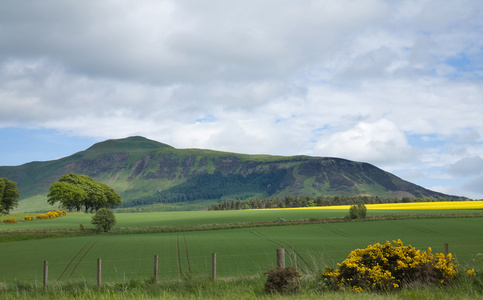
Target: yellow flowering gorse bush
28,218
388,267
51,215
10,221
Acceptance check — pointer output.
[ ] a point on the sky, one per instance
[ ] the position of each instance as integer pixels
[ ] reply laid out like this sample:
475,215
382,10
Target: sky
398,84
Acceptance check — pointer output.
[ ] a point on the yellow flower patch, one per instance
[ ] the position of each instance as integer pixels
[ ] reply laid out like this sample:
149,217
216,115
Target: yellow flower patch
388,267
414,205
51,215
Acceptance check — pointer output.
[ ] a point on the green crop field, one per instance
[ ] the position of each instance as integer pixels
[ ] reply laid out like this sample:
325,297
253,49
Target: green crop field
240,252
73,220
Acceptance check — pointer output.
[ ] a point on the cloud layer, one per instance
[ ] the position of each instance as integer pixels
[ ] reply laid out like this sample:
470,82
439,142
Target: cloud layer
394,83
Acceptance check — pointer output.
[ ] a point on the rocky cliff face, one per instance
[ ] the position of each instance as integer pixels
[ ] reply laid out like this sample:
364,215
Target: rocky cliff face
144,171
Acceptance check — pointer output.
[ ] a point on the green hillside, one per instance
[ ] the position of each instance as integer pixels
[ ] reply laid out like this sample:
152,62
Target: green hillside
147,172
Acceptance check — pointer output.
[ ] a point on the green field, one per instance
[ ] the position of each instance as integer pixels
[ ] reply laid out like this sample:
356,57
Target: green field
240,252
180,218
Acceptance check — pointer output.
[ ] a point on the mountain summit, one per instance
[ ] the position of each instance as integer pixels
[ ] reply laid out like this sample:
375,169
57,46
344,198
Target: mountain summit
145,172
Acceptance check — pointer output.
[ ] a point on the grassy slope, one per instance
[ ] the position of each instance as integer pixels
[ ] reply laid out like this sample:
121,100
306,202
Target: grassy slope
132,167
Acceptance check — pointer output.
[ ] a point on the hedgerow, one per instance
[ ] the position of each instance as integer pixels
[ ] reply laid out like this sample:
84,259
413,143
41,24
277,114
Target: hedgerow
389,267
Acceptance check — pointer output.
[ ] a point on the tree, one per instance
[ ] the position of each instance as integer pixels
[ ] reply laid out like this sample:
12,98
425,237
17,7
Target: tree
358,211
75,191
8,195
104,219
71,196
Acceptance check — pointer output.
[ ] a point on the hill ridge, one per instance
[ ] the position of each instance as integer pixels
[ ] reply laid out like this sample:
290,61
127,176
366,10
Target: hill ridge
145,171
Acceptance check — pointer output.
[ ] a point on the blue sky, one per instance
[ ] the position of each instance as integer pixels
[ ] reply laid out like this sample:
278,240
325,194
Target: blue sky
394,83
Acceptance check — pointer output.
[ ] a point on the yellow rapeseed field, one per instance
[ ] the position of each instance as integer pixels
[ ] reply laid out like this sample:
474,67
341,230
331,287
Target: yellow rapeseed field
415,205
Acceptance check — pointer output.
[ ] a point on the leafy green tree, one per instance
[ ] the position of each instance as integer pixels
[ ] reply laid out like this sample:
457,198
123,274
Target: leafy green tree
358,211
104,219
8,195
70,195
310,203
75,191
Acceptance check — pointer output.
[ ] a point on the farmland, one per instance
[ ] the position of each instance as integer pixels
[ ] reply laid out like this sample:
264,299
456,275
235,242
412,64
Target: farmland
240,251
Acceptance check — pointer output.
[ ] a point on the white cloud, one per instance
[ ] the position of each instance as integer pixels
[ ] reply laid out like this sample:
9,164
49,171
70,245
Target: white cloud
380,142
351,79
467,166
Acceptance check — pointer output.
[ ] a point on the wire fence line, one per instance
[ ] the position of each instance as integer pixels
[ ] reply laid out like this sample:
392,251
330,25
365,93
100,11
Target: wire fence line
170,268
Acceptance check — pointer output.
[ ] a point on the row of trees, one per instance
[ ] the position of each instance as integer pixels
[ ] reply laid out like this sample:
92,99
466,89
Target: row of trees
74,191
8,195
305,201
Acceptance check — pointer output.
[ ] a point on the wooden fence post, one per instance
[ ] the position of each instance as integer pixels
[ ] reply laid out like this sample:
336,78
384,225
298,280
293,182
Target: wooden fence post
213,266
46,272
446,249
155,269
99,273
281,257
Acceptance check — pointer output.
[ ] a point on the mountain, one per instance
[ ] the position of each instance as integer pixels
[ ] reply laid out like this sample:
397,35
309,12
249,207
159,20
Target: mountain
144,172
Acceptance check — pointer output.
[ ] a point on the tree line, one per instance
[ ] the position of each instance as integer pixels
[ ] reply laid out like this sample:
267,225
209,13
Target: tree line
307,201
74,191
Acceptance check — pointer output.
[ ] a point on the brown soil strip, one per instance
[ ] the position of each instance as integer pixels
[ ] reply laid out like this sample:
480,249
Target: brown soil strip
85,253
70,262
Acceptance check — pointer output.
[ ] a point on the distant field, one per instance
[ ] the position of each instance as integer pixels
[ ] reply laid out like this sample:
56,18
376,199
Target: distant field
245,251
397,206
73,220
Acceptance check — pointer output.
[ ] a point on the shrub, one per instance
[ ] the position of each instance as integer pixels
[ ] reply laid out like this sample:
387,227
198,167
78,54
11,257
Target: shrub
27,218
51,214
389,267
358,211
282,280
104,219
10,221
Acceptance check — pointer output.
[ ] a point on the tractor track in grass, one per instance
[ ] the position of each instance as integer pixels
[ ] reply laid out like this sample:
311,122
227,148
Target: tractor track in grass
179,255
73,258
293,256
187,255
336,231
78,262
425,230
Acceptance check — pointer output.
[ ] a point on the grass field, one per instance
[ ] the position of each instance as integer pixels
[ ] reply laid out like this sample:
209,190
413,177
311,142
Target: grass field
240,252
74,220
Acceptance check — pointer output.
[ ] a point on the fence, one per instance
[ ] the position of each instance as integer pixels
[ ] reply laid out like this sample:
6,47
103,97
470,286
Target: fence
280,262
243,261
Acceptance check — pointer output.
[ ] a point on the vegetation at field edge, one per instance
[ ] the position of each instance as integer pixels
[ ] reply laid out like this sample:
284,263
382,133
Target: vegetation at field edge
467,287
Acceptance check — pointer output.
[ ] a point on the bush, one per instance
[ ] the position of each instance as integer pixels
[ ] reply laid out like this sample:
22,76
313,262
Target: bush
282,280
28,218
51,215
10,221
358,211
389,267
104,219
